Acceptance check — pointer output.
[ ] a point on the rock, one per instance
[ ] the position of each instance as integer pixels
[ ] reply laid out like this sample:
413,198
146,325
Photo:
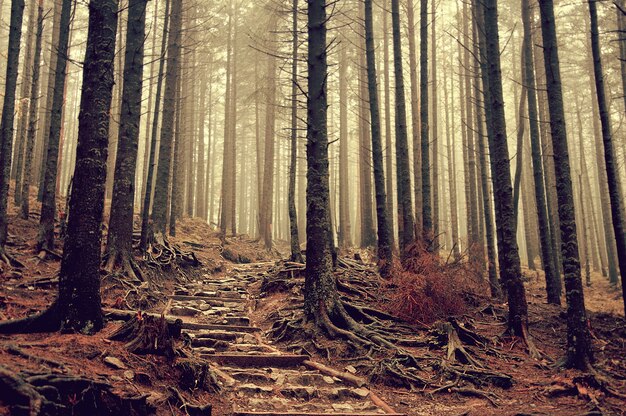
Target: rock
184,311
250,388
299,392
143,378
343,407
204,307
249,339
329,380
362,393
129,374
115,363
350,369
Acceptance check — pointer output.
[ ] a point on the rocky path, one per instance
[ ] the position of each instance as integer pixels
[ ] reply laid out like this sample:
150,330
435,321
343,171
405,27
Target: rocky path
260,379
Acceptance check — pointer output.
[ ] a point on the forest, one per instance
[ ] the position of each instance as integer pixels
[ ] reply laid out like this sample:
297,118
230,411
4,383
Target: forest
313,208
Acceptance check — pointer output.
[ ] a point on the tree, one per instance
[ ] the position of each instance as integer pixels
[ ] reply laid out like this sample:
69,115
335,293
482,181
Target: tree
427,220
385,256
508,255
45,238
147,196
78,307
405,221
159,210
579,352
613,179
552,279
6,124
120,235
296,255
33,113
345,231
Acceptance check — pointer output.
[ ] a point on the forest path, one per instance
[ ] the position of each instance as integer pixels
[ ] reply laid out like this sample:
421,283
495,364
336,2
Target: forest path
258,378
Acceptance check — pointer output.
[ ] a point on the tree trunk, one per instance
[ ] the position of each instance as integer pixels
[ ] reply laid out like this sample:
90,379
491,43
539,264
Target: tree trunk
579,351
553,284
120,235
159,211
296,255
45,238
200,202
17,171
407,235
451,153
79,281
345,232
33,114
384,241
268,166
147,195
8,115
612,173
508,255
435,132
427,222
415,116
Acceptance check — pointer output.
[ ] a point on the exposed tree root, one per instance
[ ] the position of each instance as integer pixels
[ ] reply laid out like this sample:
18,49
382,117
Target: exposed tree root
161,253
9,260
127,264
47,321
190,409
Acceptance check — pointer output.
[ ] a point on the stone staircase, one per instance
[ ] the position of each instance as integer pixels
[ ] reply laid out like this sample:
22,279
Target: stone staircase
260,379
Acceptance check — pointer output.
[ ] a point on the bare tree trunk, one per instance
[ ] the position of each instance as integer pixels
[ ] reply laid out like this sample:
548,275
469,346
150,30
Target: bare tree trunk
345,233
226,178
33,114
613,179
415,116
6,125
45,238
296,255
17,170
120,235
553,284
451,154
407,235
159,210
579,350
508,255
435,131
384,242
147,195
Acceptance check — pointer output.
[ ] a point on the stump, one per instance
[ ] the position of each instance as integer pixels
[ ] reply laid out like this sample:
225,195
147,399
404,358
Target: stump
147,334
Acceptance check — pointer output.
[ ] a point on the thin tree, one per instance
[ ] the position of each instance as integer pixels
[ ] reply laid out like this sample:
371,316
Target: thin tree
508,254
384,241
6,125
148,190
296,255
579,352
427,220
553,283
120,235
405,224
159,210
345,232
78,307
33,113
611,164
45,237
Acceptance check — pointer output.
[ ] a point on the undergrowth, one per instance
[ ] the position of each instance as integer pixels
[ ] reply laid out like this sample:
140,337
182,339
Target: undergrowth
430,288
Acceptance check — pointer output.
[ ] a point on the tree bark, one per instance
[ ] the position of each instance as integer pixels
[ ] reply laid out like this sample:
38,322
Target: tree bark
579,351
415,116
45,238
147,195
159,211
384,241
33,114
120,235
407,235
508,255
553,284
612,173
8,115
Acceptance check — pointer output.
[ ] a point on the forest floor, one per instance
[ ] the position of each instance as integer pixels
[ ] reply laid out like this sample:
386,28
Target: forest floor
532,386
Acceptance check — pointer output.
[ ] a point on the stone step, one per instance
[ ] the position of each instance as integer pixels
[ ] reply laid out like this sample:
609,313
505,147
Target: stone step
321,413
308,392
218,327
281,377
211,300
258,360
221,335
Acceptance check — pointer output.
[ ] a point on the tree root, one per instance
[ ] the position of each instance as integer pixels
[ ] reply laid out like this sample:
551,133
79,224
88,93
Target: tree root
190,409
47,321
125,261
468,391
9,260
161,253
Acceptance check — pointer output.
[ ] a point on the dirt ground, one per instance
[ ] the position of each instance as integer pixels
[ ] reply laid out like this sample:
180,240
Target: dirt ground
538,388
